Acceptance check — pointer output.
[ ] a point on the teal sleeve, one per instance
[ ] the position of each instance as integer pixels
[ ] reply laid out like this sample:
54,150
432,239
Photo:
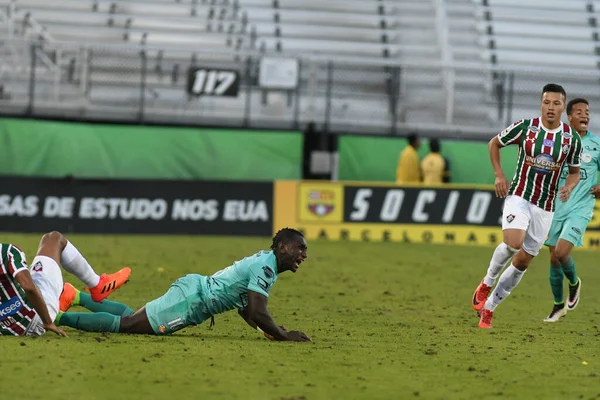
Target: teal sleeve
261,278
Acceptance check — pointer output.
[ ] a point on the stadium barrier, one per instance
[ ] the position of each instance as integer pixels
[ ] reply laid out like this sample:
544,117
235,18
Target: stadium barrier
135,206
458,214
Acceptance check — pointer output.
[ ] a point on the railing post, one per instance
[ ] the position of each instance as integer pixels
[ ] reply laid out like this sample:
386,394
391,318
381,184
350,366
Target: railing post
248,92
144,61
33,53
297,93
328,96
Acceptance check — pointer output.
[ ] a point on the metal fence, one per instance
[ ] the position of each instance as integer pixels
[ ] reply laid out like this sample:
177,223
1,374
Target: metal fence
142,84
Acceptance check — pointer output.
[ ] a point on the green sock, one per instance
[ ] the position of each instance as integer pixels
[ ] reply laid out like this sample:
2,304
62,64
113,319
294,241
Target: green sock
556,283
91,322
107,306
570,272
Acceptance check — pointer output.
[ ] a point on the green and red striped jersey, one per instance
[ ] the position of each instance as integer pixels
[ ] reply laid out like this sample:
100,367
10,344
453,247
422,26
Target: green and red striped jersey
542,154
15,313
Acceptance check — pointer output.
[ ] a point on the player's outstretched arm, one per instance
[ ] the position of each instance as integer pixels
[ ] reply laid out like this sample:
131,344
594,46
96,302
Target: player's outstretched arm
37,301
258,313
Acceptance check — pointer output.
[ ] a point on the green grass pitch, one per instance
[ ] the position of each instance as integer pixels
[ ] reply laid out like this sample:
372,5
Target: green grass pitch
388,321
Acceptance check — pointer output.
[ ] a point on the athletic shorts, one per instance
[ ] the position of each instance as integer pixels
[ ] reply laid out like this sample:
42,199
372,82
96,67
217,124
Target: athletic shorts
570,229
47,276
182,305
521,214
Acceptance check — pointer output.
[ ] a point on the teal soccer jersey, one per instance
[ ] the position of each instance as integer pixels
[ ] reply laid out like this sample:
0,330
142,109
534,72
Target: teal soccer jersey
228,289
193,298
581,202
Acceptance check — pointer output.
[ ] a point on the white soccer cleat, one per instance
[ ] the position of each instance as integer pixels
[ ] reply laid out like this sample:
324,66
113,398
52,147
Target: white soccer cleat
557,313
574,291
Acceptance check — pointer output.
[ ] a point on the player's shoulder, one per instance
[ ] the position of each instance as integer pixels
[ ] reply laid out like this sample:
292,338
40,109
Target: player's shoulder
260,257
595,139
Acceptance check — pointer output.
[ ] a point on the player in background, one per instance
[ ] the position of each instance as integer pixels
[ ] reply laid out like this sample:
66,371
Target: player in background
29,298
193,298
572,217
545,145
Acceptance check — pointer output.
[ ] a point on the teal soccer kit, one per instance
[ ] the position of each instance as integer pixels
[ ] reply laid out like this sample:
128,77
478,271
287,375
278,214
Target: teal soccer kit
194,298
572,217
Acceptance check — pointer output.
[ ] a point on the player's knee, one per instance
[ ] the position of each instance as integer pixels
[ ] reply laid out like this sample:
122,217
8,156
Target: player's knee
54,238
562,256
513,244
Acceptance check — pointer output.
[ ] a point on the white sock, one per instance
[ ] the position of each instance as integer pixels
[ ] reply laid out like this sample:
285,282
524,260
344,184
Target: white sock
509,279
72,260
501,256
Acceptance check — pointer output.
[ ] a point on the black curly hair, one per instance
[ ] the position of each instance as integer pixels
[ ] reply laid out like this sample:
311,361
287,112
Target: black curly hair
284,235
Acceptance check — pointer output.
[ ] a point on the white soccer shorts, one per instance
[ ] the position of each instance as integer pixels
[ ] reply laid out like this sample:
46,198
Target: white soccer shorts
521,214
46,274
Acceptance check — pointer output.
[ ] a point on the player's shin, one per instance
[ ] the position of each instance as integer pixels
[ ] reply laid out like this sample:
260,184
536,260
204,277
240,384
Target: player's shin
107,306
501,256
72,261
556,283
570,272
509,279
91,322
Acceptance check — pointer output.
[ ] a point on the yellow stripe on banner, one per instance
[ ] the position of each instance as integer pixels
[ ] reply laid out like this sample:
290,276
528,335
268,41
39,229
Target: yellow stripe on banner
285,197
412,233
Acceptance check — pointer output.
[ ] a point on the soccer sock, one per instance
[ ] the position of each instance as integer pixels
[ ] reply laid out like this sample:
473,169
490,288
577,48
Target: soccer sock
91,322
501,255
556,283
570,272
106,306
72,261
509,279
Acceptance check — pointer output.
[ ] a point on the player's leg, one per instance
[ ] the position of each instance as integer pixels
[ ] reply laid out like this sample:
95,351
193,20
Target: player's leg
515,221
510,278
56,246
571,236
556,275
72,297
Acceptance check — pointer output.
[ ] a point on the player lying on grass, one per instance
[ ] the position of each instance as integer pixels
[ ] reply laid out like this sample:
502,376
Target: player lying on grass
29,298
193,298
572,217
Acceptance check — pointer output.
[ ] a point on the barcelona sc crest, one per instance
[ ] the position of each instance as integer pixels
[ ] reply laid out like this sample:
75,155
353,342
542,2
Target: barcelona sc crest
321,202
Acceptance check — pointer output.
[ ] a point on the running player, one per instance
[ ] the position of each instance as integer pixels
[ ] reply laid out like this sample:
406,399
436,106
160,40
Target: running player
545,145
29,298
193,299
572,217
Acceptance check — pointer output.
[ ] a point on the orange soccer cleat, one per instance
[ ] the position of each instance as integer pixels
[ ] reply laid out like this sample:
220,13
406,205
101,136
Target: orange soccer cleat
67,297
486,319
109,283
480,296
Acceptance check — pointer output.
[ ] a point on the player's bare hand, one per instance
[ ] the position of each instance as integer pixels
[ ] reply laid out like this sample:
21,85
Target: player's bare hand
55,329
564,193
297,336
501,186
595,191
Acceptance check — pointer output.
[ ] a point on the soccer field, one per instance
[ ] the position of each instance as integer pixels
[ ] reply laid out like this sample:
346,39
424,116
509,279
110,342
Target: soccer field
388,321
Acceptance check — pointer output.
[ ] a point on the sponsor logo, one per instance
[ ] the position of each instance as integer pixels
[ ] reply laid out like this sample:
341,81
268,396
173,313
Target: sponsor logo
37,267
162,329
565,148
543,164
11,307
548,143
567,135
534,129
586,157
576,230
263,284
321,202
510,218
268,271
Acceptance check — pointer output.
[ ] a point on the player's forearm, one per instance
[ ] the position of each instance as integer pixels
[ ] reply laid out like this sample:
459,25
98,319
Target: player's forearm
242,313
494,150
572,180
265,322
34,296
